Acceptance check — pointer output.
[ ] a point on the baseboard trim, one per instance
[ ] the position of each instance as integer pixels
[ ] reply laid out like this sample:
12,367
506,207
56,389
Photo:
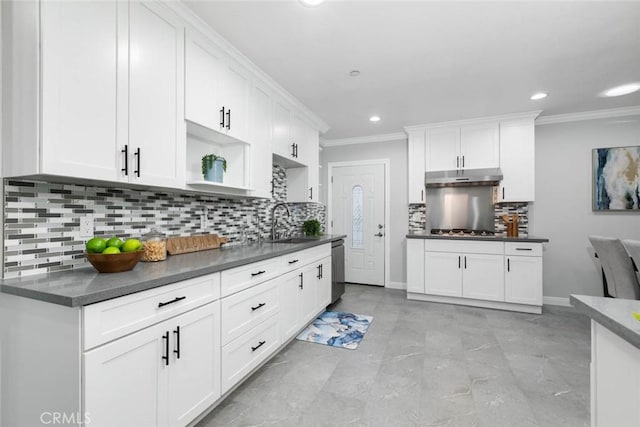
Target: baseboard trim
563,302
397,285
523,308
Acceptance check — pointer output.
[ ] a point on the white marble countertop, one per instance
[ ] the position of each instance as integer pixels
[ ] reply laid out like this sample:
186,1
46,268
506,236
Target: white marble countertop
616,314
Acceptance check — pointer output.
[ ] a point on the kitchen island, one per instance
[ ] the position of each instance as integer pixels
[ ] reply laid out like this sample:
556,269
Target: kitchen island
179,335
615,359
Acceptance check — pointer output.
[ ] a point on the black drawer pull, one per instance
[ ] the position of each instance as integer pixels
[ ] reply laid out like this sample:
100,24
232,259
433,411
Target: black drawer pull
508,265
301,285
293,261
125,151
260,344
222,118
176,299
258,273
177,350
165,356
262,304
524,249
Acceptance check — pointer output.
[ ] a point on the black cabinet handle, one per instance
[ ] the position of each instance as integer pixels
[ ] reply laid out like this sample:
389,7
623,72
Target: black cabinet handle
293,261
222,118
137,154
310,193
463,161
422,195
508,265
262,304
465,262
301,286
321,271
258,273
177,350
260,344
125,151
295,150
165,356
457,161
319,276
229,119
524,249
502,192
459,260
176,299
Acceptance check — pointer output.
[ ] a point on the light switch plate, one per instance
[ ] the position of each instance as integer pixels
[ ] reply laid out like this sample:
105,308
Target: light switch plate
86,226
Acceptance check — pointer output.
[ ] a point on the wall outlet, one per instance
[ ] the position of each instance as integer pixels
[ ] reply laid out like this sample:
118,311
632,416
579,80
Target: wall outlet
86,226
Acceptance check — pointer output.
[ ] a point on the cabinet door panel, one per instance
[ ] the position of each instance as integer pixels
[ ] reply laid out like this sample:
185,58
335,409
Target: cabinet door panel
79,73
307,295
443,273
415,265
443,149
126,368
194,378
323,290
480,146
202,77
482,277
289,305
417,166
523,280
260,138
155,89
282,135
517,161
235,97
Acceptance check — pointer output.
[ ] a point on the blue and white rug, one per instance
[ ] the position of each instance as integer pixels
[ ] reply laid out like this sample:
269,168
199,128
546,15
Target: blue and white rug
337,329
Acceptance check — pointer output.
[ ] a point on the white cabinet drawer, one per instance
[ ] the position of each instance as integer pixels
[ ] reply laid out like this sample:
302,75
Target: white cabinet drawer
298,259
108,320
523,249
240,356
247,309
243,277
464,246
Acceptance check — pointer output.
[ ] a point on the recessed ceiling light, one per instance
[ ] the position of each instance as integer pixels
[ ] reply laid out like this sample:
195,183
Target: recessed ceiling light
374,118
621,90
537,96
311,3
354,73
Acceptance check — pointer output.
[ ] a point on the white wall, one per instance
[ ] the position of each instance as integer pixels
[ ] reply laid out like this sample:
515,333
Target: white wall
562,210
396,152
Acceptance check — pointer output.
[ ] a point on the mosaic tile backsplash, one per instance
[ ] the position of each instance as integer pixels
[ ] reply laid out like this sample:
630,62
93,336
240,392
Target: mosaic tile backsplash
419,217
42,220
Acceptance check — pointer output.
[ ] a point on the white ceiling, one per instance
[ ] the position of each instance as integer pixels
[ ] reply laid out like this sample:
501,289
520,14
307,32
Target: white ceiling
424,61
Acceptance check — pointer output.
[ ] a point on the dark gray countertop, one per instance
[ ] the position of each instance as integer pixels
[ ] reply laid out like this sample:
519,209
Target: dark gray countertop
86,286
427,235
615,314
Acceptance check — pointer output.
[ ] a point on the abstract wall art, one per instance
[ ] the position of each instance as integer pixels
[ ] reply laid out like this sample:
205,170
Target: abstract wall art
616,179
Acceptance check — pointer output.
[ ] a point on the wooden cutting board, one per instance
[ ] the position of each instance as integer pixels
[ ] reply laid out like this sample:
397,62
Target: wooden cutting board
183,245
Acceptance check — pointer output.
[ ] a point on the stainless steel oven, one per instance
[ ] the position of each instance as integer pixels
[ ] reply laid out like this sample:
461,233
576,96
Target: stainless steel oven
337,270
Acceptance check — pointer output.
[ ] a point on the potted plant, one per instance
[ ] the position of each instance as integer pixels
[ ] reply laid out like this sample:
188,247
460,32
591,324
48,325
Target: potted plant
312,227
213,167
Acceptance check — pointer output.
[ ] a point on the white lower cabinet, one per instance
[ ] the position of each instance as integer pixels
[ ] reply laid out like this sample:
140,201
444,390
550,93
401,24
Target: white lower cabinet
487,274
170,369
323,287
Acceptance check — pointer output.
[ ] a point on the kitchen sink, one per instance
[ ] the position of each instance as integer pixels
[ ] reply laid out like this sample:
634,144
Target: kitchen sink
291,240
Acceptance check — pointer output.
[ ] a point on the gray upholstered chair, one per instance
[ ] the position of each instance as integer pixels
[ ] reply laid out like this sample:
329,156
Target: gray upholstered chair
633,248
619,276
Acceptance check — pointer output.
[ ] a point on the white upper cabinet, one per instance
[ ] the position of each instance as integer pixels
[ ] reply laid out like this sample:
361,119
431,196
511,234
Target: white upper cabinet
282,130
79,58
463,147
443,149
260,135
203,69
479,146
156,129
234,89
517,160
107,92
416,160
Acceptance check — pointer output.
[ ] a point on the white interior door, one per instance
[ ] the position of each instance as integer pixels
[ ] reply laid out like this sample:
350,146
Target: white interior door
358,200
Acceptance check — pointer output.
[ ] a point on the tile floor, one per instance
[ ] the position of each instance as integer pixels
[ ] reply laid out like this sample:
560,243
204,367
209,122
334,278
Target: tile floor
425,364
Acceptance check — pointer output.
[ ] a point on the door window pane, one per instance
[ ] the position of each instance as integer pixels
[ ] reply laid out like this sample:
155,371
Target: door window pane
357,232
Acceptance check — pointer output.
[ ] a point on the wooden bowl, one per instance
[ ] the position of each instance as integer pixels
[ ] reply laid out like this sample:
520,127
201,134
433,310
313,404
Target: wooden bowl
114,263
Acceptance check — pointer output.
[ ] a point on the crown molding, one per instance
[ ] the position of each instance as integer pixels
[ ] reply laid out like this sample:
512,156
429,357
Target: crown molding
388,137
198,24
474,121
589,115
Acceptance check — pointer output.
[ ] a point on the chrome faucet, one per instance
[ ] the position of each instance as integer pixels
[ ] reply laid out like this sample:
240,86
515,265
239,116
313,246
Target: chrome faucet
274,221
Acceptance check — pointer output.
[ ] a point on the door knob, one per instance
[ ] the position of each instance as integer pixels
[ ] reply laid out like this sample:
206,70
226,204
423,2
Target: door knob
379,235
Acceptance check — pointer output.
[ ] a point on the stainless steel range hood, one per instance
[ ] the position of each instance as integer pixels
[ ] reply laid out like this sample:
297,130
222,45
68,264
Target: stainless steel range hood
466,177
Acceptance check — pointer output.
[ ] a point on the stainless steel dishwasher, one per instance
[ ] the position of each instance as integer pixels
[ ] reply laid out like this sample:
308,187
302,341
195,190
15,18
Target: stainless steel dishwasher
337,269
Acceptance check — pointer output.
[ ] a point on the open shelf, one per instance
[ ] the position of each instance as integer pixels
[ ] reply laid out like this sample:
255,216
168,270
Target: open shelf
204,185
